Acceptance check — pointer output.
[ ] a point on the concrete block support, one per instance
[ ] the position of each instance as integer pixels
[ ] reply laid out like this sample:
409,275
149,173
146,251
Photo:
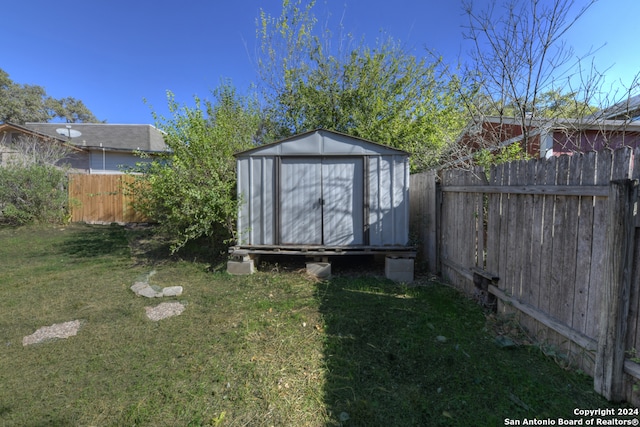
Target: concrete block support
321,270
399,269
240,267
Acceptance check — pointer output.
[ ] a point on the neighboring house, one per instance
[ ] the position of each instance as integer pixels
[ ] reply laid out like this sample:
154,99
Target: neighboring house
628,109
548,138
98,148
11,134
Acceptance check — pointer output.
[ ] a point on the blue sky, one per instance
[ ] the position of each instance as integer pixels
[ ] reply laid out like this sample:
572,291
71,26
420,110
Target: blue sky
113,54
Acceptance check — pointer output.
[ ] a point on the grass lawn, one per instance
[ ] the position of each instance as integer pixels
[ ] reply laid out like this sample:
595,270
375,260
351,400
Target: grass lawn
273,349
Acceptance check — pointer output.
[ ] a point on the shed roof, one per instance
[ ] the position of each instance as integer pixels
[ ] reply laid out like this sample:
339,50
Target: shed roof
322,142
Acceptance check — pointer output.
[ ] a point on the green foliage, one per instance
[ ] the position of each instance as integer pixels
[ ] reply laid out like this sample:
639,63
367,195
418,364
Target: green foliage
555,104
486,158
32,194
21,103
71,110
383,94
191,191
552,104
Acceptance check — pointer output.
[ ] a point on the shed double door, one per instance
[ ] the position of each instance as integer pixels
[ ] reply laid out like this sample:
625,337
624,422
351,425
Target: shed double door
321,201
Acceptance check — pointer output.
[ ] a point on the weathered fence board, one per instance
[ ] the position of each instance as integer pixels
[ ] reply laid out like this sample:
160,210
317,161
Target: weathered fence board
557,286
541,227
424,217
537,256
615,291
583,249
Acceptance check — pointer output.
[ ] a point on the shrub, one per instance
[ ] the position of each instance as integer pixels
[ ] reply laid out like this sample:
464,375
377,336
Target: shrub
191,190
33,194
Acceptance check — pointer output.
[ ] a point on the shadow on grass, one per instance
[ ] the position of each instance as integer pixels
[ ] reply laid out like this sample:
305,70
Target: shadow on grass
144,245
422,356
96,240
378,370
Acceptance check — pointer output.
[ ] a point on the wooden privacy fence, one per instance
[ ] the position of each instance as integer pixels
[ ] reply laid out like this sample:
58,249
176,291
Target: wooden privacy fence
102,199
555,242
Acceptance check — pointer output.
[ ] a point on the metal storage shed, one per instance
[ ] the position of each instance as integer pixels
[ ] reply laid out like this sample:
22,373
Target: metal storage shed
323,193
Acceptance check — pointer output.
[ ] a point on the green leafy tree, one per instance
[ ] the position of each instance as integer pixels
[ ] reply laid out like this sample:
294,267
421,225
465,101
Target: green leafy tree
555,104
379,93
552,104
22,103
71,110
191,190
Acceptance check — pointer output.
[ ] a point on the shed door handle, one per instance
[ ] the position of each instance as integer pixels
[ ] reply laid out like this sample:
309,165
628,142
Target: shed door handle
321,201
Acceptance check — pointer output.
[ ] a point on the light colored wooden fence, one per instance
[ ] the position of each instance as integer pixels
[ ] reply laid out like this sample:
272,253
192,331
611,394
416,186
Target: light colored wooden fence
560,238
102,199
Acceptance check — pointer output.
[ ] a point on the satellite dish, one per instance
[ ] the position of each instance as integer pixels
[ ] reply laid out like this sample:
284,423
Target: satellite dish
69,133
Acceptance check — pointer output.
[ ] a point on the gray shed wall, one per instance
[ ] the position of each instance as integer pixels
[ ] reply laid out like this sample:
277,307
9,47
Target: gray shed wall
389,200
323,189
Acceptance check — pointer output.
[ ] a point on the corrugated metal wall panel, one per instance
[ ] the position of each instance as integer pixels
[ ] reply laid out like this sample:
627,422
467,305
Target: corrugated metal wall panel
268,190
378,200
262,197
343,191
400,201
388,201
256,193
300,195
244,214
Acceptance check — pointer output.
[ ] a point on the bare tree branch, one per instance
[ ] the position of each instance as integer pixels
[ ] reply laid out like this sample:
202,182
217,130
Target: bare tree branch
29,150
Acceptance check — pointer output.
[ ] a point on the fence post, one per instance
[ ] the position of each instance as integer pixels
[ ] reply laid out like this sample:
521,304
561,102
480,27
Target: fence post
436,261
614,295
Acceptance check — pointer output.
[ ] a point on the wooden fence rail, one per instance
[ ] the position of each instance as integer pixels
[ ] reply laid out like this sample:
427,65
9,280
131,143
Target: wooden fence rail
562,237
102,199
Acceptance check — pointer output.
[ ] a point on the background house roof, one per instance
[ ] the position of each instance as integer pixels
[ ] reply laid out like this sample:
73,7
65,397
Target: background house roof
10,127
629,109
113,136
